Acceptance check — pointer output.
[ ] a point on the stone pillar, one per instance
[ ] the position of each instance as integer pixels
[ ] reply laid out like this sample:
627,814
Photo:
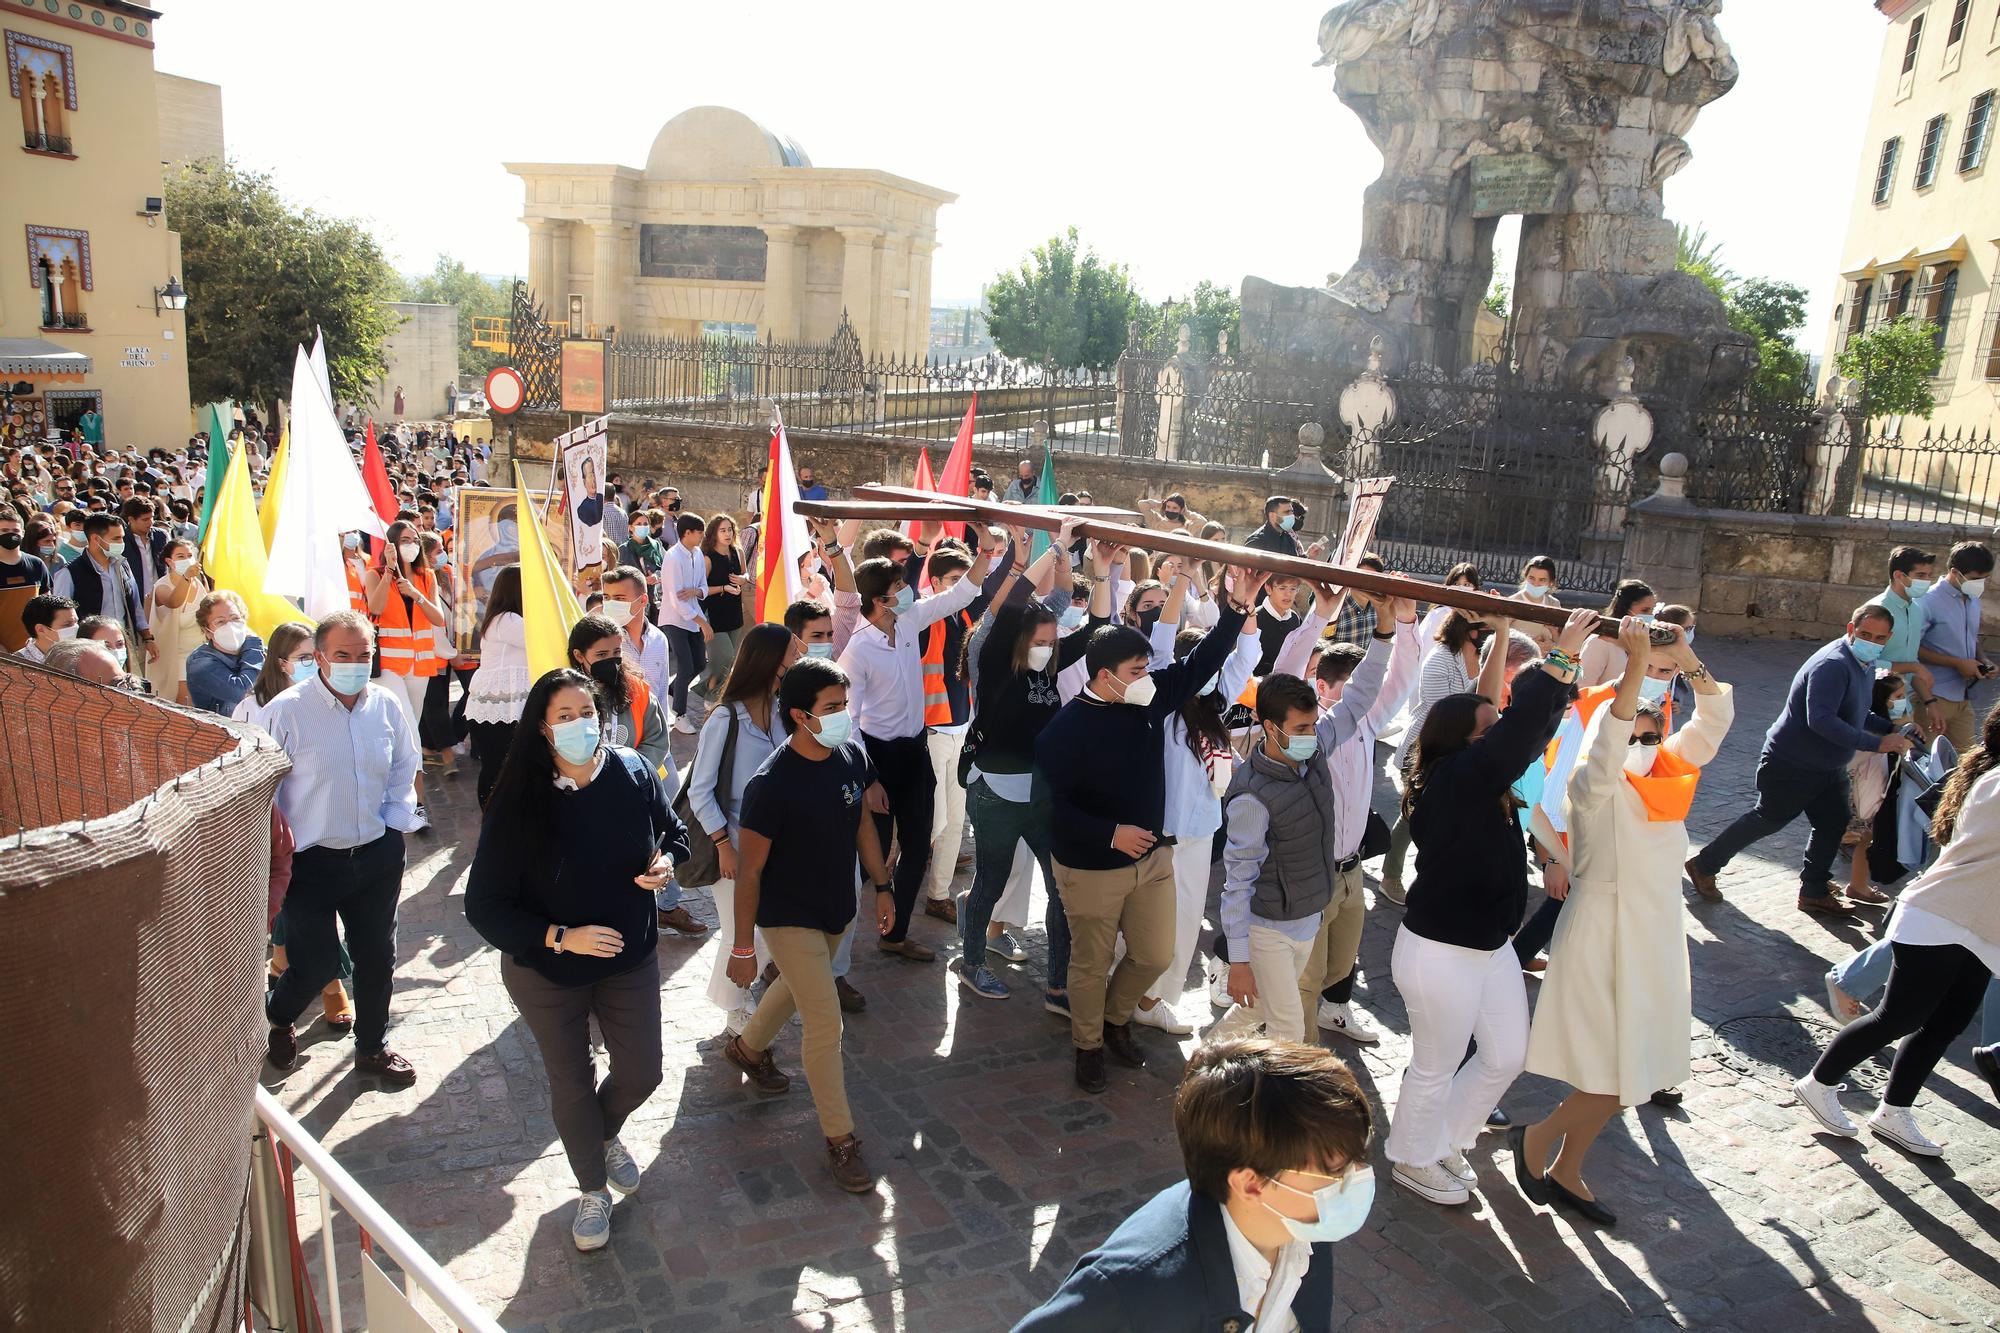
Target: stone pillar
781,284
607,278
541,267
920,297
1663,539
561,261
857,282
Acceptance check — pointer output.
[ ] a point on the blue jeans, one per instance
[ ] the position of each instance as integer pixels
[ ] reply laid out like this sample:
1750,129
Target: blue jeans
1866,972
361,887
668,896
997,824
689,655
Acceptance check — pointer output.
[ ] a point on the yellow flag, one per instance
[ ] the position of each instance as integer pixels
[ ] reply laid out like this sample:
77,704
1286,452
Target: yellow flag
232,552
274,487
549,609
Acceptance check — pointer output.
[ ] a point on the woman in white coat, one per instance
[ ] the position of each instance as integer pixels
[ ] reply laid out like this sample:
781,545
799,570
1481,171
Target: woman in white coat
1612,1020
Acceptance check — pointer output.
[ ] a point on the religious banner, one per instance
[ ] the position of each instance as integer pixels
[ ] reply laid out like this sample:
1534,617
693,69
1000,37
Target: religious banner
583,376
485,541
581,462
1364,511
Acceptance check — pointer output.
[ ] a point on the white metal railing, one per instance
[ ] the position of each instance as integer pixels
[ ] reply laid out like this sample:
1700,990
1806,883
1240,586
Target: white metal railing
276,1253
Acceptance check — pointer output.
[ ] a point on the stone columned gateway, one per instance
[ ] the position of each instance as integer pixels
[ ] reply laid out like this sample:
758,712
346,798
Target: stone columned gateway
1569,113
732,225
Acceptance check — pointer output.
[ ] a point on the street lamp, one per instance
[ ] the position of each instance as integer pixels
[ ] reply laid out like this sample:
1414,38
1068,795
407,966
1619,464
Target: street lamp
173,296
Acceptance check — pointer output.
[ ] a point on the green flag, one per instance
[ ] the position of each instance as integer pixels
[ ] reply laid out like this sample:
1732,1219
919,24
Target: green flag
218,417
1048,496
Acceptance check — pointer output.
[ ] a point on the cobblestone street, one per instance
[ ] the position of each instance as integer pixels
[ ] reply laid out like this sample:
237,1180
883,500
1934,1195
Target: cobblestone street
997,1172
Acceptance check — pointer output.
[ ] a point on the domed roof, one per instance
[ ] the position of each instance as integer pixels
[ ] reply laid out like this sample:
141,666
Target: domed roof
715,143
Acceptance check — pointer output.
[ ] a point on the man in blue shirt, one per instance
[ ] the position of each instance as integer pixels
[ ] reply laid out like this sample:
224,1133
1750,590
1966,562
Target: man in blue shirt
1951,642
1803,769
1909,579
808,488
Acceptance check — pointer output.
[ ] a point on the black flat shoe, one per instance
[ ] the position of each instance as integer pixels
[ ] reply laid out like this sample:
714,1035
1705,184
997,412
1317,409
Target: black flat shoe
1588,1209
1668,1098
1534,1188
1498,1119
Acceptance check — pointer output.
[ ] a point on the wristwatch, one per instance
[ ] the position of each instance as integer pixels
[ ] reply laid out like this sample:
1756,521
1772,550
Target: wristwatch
882,888
556,945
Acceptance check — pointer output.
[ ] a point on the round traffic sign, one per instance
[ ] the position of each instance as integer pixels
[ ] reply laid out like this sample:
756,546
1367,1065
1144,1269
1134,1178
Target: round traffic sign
505,390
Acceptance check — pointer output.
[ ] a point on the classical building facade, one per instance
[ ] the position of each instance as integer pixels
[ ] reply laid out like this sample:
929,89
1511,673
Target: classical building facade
89,275
730,225
1923,232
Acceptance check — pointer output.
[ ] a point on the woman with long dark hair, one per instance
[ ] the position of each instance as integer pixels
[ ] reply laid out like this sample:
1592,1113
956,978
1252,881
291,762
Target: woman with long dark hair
1603,660
1946,940
722,603
1450,666
741,730
500,686
562,885
631,716
1452,961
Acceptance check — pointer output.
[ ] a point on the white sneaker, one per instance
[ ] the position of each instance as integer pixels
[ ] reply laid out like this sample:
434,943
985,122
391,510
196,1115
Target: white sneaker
422,820
1454,1162
1824,1105
1163,1017
1218,986
1431,1182
1896,1124
1347,1021
592,1227
682,725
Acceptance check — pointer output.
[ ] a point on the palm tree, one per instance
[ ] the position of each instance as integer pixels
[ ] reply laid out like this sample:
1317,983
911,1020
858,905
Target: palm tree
1695,253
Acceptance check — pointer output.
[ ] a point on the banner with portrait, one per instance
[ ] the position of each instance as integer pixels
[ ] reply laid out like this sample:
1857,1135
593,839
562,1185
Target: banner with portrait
580,456
1364,511
485,541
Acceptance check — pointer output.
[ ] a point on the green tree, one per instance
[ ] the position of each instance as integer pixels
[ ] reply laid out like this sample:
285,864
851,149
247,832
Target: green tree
1694,253
450,282
1063,306
1499,299
1891,367
1209,311
262,276
1772,313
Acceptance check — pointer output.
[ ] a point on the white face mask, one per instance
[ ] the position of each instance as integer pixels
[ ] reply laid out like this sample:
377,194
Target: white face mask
408,551
1140,692
182,566
229,637
66,632
1973,587
1639,759
617,612
1536,591
1039,655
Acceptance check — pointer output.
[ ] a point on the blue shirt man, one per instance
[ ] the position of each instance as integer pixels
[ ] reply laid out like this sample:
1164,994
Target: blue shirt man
1951,641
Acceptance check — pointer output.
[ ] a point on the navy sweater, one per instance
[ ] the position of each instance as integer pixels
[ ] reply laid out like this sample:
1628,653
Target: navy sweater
1105,763
1826,718
600,837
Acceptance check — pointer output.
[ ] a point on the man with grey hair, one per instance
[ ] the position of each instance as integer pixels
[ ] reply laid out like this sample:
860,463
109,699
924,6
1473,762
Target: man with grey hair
86,659
349,798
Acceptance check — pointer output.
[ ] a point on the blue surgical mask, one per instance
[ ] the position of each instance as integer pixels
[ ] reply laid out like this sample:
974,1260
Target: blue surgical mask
1864,651
1072,618
1918,587
819,650
1298,749
576,739
906,598
304,671
347,677
1343,1206
641,532
1689,634
833,729
1288,522
1899,708
113,550
1652,691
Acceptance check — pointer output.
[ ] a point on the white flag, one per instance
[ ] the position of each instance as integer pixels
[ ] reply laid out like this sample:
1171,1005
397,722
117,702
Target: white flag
324,497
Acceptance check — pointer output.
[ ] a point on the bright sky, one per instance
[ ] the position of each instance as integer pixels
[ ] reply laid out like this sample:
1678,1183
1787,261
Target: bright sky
1187,140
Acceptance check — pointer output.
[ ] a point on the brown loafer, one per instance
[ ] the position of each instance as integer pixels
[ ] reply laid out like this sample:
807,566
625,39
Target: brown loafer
909,949
1867,893
678,918
944,909
1831,904
388,1066
1123,1046
757,1066
850,1172
852,1001
282,1048
1704,883
1535,965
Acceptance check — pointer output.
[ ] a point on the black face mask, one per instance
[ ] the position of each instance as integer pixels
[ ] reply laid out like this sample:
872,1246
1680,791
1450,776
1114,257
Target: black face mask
610,674
1148,619
10,541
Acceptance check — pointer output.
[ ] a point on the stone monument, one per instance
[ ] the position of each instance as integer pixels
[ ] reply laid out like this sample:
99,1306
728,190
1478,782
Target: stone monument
1570,113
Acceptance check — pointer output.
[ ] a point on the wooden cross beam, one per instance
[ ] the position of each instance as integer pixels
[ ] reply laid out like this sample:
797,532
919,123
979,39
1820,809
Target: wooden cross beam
936,509
1223,553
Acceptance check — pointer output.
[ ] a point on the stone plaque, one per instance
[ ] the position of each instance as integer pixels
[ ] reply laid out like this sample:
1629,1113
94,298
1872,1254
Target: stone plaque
1504,183
711,254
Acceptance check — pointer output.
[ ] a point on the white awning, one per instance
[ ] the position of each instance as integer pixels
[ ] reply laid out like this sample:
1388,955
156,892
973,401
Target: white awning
38,358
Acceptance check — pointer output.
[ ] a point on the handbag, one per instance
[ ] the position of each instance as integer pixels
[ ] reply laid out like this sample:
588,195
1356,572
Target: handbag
703,867
1374,837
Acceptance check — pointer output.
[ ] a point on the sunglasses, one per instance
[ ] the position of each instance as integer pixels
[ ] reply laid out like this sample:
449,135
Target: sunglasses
1651,738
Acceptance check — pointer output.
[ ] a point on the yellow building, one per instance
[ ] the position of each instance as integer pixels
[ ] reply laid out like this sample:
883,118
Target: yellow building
731,227
1923,235
91,278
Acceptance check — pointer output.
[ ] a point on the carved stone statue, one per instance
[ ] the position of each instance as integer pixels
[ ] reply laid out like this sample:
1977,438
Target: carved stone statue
1572,115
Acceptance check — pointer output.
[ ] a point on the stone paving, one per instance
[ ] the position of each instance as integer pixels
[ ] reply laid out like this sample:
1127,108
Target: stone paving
997,1172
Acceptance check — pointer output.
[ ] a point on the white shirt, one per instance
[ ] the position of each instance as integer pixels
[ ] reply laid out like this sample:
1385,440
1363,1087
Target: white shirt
353,770
649,654
1194,801
1348,763
886,695
1260,1283
685,567
30,653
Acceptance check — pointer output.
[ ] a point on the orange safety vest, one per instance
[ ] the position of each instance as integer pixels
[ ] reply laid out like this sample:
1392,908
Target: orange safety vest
937,701
403,634
638,698
357,596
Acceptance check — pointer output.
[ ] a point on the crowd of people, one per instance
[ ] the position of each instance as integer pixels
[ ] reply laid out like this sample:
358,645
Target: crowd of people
1139,729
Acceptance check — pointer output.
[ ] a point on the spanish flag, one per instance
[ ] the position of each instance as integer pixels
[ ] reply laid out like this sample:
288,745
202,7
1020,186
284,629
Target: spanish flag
784,539
549,609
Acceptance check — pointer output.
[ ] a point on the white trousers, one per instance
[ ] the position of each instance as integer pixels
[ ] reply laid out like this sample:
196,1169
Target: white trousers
408,692
1453,995
947,812
1190,901
722,992
1275,963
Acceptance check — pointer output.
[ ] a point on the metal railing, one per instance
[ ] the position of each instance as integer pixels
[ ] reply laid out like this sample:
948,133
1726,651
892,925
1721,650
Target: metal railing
47,143
68,319
280,1285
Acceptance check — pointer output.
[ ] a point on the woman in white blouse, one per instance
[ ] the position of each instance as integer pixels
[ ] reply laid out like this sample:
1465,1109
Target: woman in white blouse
170,611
